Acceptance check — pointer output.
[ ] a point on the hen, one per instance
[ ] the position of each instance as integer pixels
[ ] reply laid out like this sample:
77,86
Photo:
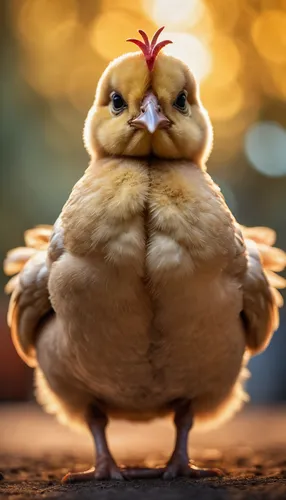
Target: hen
146,298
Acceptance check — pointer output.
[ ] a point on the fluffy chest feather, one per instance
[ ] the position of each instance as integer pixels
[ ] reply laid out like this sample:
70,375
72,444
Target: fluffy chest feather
190,227
146,253
168,216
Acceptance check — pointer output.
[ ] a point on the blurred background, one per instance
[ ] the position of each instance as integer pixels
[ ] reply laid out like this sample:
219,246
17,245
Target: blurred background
52,55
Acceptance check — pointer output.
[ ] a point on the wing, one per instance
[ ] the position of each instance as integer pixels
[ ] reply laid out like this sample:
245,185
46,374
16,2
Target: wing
261,298
29,303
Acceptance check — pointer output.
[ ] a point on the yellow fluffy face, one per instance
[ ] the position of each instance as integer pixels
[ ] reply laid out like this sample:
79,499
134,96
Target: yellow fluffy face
109,133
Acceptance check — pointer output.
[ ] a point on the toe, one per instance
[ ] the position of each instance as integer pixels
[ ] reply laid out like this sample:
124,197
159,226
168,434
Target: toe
195,472
175,470
75,477
102,472
66,479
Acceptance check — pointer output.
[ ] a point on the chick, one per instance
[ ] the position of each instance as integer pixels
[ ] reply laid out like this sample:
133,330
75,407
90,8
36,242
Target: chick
146,298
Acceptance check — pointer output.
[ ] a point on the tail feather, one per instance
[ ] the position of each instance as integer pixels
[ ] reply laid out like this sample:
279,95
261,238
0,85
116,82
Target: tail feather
38,237
273,259
275,280
11,285
16,259
259,234
36,240
278,299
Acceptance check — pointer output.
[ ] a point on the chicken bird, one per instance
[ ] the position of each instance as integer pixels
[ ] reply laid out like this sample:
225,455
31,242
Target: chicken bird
146,298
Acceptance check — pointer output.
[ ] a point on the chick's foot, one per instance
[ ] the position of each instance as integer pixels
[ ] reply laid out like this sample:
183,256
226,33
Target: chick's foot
106,467
182,468
179,463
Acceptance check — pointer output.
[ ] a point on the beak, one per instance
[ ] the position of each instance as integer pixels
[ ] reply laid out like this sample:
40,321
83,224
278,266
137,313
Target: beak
150,117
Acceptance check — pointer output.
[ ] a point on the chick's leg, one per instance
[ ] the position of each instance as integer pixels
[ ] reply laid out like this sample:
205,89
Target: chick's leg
179,463
106,467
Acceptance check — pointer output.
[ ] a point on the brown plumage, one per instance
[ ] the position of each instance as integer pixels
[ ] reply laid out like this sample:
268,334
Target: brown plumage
146,297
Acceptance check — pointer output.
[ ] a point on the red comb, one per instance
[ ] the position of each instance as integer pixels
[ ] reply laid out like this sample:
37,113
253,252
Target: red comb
150,50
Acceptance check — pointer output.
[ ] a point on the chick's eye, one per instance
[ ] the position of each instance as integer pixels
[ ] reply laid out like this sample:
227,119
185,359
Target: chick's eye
181,101
118,103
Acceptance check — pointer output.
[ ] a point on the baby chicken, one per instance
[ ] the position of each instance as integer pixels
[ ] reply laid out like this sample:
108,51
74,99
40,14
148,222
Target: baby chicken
146,298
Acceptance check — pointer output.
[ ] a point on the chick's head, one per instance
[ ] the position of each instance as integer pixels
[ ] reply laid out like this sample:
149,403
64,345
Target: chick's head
143,113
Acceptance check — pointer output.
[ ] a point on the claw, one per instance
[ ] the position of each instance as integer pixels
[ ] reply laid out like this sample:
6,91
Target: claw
102,472
176,469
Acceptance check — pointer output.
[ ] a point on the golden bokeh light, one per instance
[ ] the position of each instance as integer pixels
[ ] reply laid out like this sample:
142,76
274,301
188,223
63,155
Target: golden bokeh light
174,13
46,81
192,51
110,30
269,35
82,83
223,102
279,78
122,5
225,14
35,30
64,47
226,61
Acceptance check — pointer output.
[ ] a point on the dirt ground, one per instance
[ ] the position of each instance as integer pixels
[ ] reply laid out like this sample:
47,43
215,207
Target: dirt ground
35,452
